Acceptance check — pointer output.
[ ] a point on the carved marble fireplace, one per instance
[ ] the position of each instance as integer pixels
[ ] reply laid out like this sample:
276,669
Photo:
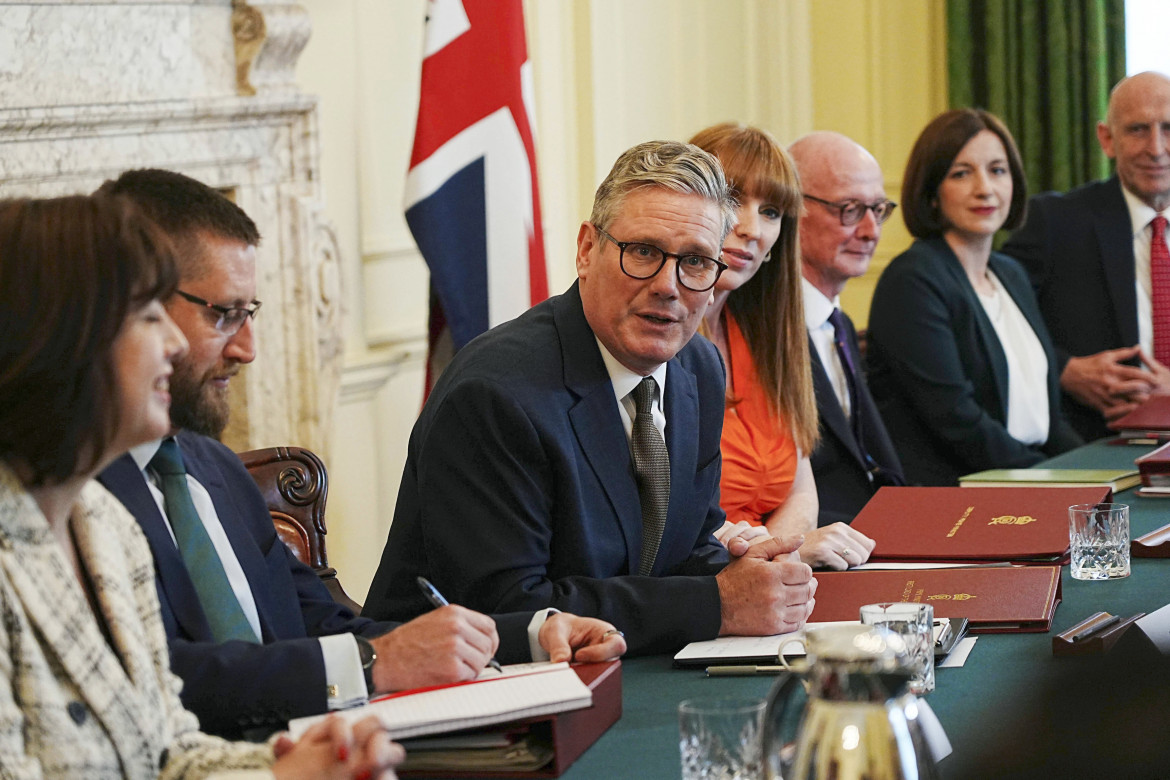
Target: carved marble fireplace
204,87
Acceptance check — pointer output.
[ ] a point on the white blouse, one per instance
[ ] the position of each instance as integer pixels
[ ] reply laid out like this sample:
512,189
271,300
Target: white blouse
1027,408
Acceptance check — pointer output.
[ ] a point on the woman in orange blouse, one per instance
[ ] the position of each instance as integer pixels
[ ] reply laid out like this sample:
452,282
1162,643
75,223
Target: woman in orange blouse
756,320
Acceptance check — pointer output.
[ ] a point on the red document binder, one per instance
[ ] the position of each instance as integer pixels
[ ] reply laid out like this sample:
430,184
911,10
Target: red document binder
1154,467
570,733
1152,416
993,599
1022,524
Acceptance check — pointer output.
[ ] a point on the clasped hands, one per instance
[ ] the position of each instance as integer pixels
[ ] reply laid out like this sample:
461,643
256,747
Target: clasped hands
333,748
835,546
769,588
1107,383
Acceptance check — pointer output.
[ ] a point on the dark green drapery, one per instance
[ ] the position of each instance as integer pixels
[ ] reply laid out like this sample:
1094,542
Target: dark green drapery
1045,67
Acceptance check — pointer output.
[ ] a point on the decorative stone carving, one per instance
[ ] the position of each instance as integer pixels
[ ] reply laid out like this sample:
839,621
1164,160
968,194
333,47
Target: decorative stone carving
160,91
269,38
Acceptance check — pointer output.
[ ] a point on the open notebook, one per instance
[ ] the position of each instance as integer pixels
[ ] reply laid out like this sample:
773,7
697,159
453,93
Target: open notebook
520,691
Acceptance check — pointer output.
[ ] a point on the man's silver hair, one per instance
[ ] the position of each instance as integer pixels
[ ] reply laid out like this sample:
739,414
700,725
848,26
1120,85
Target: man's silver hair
671,165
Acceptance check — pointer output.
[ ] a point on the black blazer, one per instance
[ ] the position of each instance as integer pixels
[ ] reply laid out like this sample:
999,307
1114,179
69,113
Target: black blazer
519,491
1078,250
939,374
235,687
843,483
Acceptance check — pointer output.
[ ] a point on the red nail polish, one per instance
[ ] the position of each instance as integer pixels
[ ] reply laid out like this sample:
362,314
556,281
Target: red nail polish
365,774
343,753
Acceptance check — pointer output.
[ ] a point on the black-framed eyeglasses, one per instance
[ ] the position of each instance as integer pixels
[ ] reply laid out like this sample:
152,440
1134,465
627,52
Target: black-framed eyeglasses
697,273
229,319
850,212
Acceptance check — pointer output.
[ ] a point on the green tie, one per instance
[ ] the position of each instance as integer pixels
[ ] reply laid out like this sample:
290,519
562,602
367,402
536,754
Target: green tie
219,601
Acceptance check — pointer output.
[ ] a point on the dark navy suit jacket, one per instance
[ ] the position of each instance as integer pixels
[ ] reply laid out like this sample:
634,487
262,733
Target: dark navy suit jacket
842,477
939,374
519,491
236,686
1078,250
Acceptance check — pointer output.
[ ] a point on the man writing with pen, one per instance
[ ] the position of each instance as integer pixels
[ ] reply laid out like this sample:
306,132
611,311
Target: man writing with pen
252,631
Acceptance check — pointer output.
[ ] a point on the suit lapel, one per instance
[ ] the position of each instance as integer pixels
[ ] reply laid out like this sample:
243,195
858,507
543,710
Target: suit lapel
56,605
1113,227
984,330
596,421
682,415
832,415
126,481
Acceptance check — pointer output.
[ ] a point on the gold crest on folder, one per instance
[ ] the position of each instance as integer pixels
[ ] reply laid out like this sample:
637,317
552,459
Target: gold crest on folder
1012,520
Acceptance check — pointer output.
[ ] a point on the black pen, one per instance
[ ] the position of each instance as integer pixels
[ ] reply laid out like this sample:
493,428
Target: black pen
437,600
1097,627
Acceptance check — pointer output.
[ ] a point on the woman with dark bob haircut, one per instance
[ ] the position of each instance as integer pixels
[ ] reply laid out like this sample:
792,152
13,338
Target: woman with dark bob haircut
960,363
85,359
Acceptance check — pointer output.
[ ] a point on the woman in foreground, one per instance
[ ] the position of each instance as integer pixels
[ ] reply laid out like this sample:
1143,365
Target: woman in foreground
85,357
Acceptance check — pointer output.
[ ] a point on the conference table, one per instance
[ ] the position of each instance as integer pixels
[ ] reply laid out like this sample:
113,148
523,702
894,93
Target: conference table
970,701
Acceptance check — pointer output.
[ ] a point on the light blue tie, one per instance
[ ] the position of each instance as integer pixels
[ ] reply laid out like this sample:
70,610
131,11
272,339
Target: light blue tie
219,601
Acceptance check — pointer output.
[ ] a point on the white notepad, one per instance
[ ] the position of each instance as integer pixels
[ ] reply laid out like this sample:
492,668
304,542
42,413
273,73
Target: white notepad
522,691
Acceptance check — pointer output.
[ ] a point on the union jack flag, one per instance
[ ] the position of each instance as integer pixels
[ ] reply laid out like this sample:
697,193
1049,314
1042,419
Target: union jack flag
472,201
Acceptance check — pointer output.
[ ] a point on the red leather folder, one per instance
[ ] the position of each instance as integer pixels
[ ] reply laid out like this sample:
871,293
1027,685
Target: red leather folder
1154,467
993,599
570,733
1152,416
1021,524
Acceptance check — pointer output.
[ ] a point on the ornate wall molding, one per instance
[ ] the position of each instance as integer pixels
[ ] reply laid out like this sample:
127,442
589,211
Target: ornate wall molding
269,37
262,149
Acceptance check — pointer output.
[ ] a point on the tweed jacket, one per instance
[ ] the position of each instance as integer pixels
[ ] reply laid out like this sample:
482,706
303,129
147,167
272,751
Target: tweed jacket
74,704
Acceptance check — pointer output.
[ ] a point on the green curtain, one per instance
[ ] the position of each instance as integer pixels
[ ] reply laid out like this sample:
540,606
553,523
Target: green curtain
1045,67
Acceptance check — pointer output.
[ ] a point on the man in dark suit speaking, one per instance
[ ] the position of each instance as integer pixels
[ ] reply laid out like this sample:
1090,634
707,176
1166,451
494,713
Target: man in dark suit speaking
253,633
845,206
570,458
1098,259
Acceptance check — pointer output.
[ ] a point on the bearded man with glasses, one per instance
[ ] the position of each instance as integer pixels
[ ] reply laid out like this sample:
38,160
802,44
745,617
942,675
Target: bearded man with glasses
569,458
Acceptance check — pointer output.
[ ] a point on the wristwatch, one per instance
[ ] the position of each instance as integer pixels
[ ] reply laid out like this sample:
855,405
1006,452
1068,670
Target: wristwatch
368,656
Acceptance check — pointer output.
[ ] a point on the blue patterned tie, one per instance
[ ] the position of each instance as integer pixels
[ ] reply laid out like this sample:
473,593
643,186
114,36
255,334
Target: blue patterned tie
652,467
219,601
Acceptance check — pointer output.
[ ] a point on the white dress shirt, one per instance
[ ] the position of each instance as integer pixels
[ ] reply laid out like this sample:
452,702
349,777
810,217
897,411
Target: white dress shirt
1027,407
817,309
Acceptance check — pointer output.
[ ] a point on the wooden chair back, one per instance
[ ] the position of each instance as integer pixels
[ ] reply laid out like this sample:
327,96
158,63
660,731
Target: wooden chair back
294,484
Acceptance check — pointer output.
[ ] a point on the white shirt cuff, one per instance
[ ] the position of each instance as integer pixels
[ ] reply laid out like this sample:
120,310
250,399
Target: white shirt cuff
538,652
344,678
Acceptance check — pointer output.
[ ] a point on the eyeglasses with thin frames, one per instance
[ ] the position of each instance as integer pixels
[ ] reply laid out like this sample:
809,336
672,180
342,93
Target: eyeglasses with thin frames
850,212
697,273
229,319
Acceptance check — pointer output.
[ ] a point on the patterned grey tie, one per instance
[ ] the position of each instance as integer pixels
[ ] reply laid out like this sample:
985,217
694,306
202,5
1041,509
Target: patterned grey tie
652,467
